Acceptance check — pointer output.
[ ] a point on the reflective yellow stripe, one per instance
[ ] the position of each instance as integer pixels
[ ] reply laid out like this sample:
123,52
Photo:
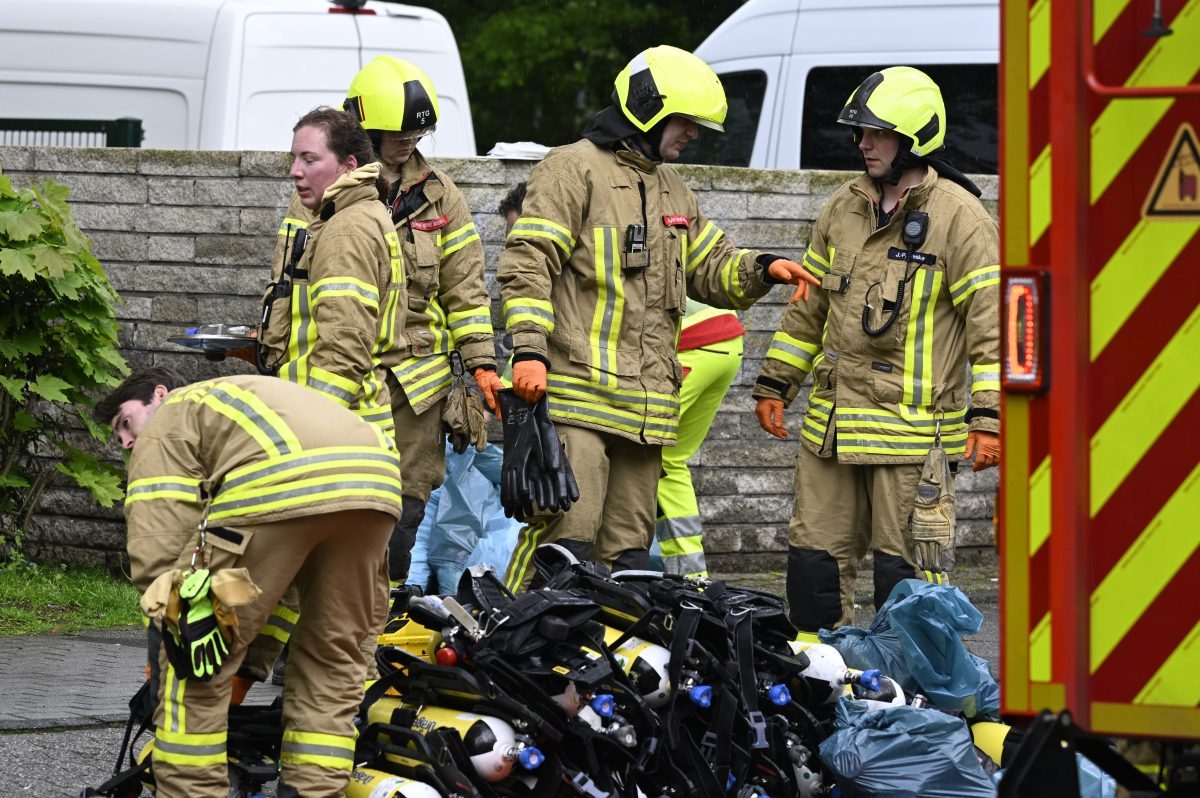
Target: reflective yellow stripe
980,278
173,487
314,748
190,750
301,336
311,462
424,377
333,386
1125,123
472,321
708,238
1039,650
918,340
538,311
816,264
302,492
1133,427
899,446
249,412
530,226
1175,683
985,377
1039,506
568,387
1132,272
438,326
610,306
1149,565
457,240
796,353
613,418
289,226
731,280
529,538
343,286
1039,41
280,624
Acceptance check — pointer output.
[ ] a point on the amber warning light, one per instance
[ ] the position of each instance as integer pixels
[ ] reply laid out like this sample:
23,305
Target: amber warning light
1024,330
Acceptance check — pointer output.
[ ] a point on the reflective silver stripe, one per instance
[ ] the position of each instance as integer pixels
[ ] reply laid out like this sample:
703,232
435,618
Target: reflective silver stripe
254,418
515,310
672,528
174,699
813,264
157,486
304,462
949,421
898,444
609,286
962,288
684,564
635,401
560,238
283,494
458,324
185,749
331,389
305,313
464,232
708,236
635,425
412,368
927,286
794,351
354,288
984,376
311,749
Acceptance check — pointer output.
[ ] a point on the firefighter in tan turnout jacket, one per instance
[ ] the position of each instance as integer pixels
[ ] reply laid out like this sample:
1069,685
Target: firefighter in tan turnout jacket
595,277
290,487
447,303
909,266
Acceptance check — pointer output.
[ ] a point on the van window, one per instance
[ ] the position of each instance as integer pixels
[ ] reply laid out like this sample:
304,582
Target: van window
969,91
744,93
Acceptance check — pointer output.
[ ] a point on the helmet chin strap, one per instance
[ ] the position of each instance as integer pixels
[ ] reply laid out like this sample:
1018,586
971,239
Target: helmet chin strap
904,161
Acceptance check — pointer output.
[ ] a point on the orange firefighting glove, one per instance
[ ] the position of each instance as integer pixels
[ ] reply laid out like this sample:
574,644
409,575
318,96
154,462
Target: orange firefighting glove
985,446
529,379
770,416
792,273
489,383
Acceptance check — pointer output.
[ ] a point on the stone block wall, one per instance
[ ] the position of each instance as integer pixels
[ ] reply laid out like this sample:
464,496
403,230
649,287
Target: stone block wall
186,238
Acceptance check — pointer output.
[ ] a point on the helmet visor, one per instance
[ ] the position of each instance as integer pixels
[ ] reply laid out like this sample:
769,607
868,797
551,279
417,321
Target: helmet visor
405,136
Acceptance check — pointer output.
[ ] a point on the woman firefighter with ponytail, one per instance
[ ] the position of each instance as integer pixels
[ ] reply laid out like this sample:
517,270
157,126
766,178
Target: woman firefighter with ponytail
448,306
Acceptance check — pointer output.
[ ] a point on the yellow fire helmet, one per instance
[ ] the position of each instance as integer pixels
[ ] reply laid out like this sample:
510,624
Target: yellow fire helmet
665,80
902,99
391,94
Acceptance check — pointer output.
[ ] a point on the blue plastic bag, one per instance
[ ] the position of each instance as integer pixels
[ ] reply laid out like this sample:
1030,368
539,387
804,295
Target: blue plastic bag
916,639
903,752
464,523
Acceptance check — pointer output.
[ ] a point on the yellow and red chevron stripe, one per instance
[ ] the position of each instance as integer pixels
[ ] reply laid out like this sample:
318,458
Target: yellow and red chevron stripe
1135,558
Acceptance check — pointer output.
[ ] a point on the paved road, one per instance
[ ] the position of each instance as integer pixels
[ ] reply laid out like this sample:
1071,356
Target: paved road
64,700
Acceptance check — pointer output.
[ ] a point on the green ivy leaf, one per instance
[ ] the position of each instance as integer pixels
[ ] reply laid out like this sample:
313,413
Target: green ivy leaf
16,261
24,421
101,432
21,226
51,388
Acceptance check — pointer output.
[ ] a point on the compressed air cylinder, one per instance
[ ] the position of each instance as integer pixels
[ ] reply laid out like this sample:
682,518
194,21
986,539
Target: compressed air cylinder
646,664
493,745
368,783
826,669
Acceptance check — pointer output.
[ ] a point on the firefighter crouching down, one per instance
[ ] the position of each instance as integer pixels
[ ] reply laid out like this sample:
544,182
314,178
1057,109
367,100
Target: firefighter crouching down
291,487
909,266
447,303
595,277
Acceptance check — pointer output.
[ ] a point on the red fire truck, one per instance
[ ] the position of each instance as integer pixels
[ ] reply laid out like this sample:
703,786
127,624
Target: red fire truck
1100,493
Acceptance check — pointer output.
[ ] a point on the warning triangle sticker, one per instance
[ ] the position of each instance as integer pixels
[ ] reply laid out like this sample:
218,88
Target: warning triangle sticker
1176,191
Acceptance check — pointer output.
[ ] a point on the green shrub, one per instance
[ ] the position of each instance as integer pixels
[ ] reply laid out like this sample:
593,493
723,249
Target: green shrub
58,343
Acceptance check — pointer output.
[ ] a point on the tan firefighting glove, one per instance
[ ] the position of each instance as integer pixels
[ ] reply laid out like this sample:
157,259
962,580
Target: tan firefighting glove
932,523
462,415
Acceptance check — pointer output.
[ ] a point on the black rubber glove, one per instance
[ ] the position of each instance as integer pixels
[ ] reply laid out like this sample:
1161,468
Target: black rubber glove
562,486
520,442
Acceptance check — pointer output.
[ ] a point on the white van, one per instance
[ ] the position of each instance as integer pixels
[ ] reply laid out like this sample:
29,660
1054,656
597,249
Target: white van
217,74
788,67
